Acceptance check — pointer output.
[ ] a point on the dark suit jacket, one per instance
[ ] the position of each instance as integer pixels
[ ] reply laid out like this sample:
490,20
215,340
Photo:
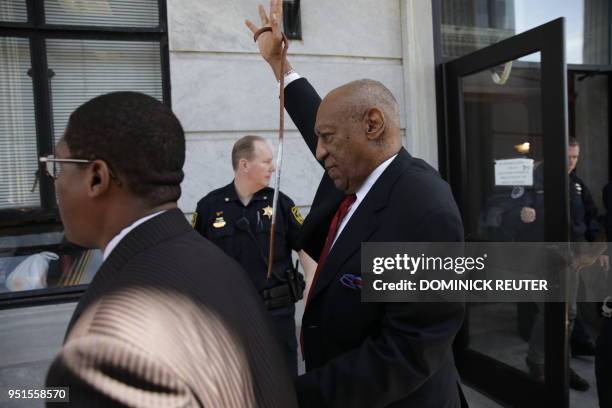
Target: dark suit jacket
375,354
170,320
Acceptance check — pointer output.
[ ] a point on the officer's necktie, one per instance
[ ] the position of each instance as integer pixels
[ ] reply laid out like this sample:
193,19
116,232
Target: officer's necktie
341,212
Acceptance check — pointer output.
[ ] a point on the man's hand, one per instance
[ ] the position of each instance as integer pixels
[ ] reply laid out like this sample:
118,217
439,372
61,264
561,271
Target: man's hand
604,262
528,215
270,43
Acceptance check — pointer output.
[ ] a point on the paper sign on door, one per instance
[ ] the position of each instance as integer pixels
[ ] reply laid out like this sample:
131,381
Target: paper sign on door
514,172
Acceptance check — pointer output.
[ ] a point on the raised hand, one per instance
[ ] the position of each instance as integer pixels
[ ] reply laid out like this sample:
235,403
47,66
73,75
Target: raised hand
270,43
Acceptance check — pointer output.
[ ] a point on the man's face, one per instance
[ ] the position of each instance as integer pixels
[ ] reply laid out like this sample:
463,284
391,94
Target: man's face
74,205
261,166
572,157
341,145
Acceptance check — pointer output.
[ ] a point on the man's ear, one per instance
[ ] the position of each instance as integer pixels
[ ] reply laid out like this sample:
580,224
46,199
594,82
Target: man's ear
243,164
98,178
374,123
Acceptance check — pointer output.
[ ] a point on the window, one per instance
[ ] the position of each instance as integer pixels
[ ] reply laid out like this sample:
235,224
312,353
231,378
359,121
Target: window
17,126
468,25
55,55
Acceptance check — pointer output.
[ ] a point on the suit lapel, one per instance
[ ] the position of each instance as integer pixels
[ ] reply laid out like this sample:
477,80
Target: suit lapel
315,227
362,224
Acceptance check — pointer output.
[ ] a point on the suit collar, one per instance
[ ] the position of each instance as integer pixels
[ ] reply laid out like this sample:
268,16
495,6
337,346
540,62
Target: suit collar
363,223
372,178
144,236
117,238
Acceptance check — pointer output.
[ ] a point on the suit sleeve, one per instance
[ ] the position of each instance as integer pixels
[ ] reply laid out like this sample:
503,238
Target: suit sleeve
414,343
302,103
105,372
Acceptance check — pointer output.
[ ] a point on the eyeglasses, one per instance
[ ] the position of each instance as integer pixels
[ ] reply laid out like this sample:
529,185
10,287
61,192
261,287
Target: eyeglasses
53,170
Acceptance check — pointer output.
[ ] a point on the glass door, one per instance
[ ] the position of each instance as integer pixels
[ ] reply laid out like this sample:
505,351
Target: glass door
507,107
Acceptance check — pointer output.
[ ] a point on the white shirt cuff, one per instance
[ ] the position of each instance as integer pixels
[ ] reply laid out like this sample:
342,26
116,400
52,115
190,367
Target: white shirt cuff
291,77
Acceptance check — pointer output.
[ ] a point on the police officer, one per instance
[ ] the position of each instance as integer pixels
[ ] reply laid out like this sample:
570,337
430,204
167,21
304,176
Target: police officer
584,227
237,218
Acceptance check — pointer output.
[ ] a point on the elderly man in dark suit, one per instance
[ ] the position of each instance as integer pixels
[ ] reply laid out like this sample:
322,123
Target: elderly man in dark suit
169,320
367,354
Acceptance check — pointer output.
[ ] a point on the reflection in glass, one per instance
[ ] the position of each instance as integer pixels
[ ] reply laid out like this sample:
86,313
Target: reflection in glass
468,25
41,261
503,126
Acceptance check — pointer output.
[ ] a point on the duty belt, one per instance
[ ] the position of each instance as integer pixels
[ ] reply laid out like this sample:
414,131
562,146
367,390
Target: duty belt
277,297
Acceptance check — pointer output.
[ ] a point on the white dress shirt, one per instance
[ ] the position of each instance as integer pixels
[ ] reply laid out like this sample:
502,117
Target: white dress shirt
117,238
363,191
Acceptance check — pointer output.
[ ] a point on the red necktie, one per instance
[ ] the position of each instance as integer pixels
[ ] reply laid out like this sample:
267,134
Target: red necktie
341,212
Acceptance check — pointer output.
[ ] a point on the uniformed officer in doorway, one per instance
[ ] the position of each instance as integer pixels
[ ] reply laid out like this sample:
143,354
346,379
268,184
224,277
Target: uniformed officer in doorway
238,217
583,227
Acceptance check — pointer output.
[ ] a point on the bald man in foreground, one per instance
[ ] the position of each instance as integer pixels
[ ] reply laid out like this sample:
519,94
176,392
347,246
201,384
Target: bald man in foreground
367,354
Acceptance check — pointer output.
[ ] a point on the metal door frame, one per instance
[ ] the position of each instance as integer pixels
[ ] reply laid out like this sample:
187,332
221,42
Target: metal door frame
549,40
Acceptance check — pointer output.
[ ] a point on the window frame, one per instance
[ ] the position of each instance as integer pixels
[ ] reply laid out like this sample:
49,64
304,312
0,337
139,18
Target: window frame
45,218
37,31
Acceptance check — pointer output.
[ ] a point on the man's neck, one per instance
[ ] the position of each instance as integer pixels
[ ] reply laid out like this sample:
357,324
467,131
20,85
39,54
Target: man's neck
381,159
245,190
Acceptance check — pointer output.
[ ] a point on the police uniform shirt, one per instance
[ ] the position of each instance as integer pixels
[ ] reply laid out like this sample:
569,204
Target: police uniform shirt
583,211
243,232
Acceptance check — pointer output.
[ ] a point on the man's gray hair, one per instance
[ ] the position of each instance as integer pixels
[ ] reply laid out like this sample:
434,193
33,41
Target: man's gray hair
367,93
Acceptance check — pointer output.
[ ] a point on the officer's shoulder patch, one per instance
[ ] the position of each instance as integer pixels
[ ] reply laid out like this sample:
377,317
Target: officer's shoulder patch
194,219
297,215
517,192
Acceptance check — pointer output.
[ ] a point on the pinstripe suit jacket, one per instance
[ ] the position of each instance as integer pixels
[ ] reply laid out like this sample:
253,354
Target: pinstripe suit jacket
171,321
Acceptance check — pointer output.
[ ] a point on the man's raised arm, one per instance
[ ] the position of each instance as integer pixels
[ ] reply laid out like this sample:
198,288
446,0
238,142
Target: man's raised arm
301,99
